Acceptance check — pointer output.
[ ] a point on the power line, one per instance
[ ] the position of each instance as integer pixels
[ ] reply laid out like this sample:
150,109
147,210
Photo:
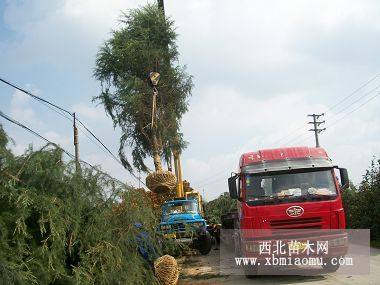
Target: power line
210,182
345,115
34,133
35,96
334,106
288,135
357,100
54,144
305,135
98,140
296,139
47,103
62,111
208,178
109,151
353,93
57,109
106,148
355,109
316,130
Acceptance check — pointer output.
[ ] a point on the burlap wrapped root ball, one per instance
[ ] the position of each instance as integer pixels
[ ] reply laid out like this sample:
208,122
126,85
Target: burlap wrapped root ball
161,182
166,270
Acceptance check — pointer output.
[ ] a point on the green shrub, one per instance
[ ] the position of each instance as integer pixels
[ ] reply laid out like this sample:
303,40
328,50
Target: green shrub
362,203
60,227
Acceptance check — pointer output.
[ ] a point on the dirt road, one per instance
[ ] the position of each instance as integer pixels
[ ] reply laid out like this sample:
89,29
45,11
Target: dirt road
202,270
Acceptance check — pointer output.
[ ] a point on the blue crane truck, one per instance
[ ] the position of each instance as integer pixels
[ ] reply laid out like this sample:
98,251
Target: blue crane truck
181,220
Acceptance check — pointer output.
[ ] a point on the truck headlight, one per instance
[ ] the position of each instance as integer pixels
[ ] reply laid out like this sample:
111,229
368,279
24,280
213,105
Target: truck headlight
165,227
341,241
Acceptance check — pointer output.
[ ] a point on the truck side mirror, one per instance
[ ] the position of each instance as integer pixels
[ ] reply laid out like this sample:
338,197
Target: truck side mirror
232,186
344,178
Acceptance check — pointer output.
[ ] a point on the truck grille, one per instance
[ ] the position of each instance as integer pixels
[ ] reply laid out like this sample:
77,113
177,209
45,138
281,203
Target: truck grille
178,227
304,223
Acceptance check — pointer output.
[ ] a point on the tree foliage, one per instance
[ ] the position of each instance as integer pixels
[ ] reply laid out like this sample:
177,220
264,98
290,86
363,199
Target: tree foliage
218,207
362,203
145,42
58,226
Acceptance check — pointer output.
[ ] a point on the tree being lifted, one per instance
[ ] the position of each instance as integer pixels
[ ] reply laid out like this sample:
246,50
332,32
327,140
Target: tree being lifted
145,43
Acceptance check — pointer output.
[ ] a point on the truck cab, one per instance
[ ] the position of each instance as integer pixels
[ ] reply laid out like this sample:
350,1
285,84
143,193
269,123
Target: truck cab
182,222
293,188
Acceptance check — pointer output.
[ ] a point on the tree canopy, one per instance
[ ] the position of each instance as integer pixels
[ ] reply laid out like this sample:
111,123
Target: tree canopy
362,203
218,207
145,42
59,226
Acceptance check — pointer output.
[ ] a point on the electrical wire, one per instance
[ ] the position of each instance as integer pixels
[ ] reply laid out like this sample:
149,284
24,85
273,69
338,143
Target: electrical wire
209,183
354,110
208,178
334,106
306,135
99,141
345,115
357,100
294,140
35,96
62,112
34,133
6,117
353,93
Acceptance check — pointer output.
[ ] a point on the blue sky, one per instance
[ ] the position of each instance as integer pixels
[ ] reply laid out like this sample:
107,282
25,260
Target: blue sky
259,68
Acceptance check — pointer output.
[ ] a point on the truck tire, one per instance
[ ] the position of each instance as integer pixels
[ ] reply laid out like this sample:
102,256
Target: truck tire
328,267
204,243
250,272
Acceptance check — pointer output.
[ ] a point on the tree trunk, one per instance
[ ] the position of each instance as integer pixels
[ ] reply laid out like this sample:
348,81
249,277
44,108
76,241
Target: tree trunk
156,153
157,161
170,163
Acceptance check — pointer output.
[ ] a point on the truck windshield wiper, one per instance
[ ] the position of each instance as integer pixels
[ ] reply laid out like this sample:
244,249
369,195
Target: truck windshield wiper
316,196
274,196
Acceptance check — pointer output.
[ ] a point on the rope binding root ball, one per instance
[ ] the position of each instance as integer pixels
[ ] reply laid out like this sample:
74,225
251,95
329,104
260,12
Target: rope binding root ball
162,182
166,270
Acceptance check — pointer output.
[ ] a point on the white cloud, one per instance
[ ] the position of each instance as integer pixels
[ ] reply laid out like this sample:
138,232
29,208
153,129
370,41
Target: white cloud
59,32
259,68
90,112
21,110
221,118
63,141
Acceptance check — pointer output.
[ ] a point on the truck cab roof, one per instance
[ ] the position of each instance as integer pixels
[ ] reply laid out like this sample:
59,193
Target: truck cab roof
284,159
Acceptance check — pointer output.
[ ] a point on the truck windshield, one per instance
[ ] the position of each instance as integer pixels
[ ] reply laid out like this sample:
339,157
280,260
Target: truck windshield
279,186
180,208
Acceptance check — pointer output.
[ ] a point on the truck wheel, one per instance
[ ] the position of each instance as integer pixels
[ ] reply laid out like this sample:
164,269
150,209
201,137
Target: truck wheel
328,267
204,243
237,245
250,271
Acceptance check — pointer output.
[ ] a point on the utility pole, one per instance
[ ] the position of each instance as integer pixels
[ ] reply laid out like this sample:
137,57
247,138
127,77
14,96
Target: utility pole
316,125
76,144
161,5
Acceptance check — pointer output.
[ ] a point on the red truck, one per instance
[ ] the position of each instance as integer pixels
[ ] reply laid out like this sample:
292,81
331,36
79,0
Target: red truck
288,189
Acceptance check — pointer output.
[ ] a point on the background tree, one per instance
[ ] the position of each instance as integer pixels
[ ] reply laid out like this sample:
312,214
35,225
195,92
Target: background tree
218,207
58,226
362,203
146,42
